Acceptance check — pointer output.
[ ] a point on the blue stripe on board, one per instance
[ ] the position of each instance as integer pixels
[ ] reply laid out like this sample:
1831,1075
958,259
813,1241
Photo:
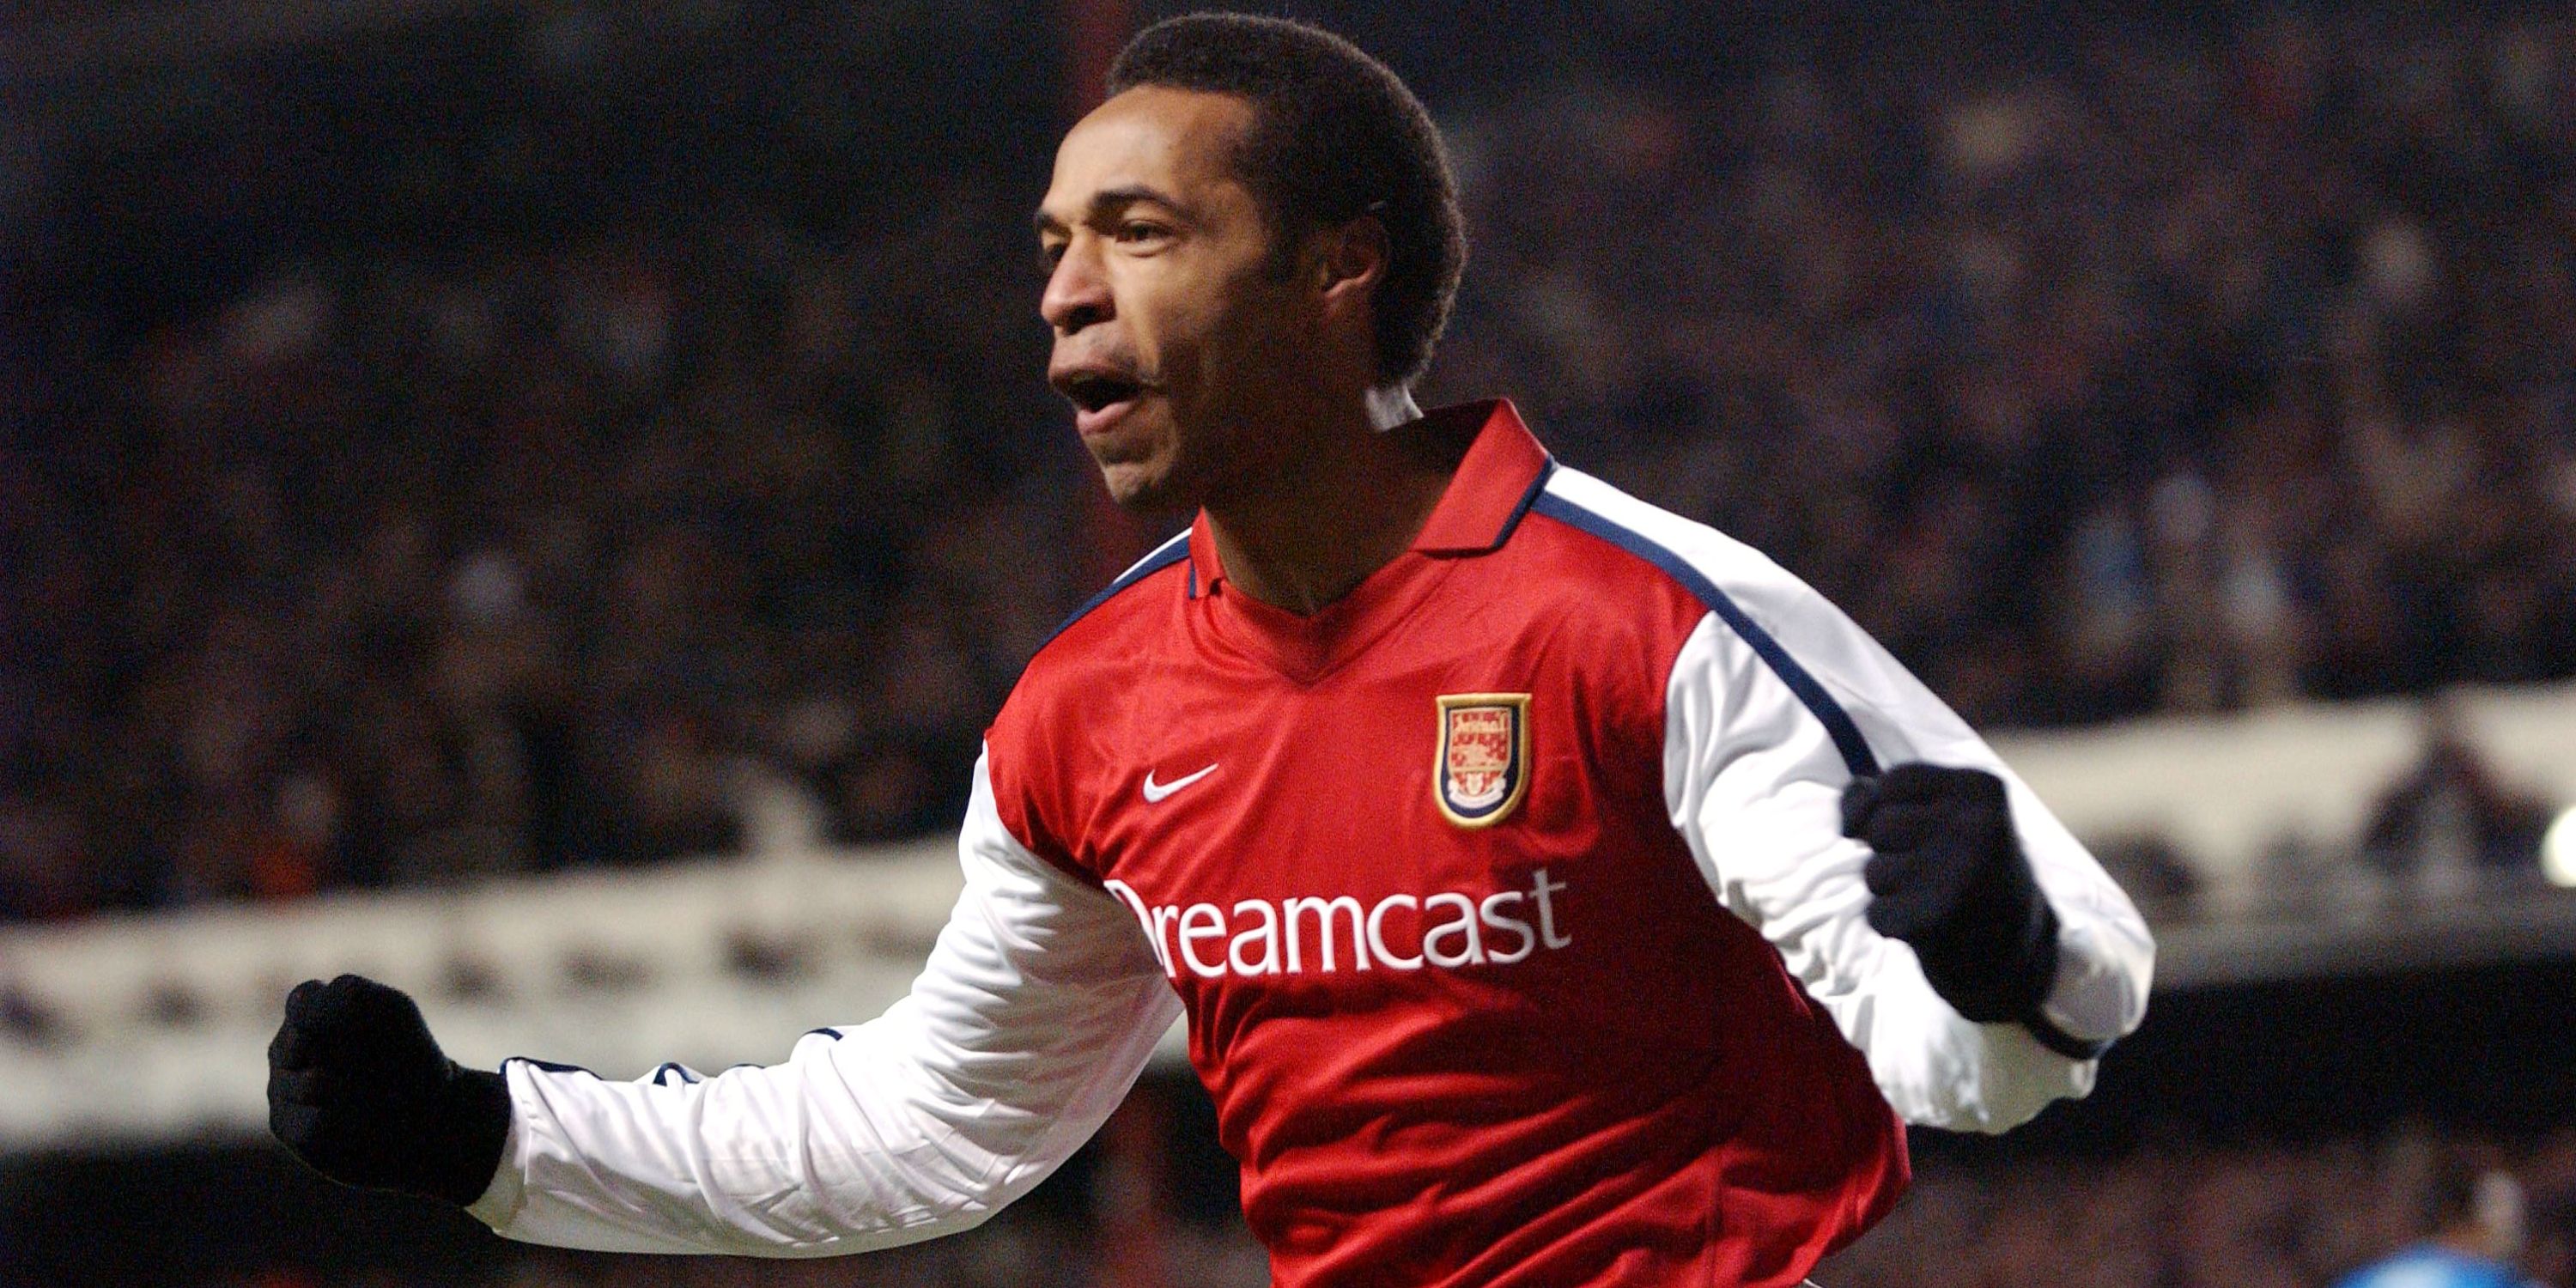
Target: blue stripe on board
1838,722
1164,556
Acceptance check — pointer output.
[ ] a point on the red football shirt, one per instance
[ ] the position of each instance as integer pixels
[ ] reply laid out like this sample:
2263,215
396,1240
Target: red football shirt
1468,1010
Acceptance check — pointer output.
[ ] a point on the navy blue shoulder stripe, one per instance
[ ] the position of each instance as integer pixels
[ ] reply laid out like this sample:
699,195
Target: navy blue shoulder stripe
1164,556
1838,722
549,1065
1537,489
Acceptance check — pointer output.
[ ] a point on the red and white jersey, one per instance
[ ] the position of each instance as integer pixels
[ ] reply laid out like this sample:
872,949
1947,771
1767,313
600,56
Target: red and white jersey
1506,898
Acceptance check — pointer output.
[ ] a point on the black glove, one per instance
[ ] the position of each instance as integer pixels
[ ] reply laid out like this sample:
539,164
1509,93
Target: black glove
360,1091
1949,878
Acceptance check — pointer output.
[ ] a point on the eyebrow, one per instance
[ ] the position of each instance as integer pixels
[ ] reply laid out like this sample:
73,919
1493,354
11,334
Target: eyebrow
1107,201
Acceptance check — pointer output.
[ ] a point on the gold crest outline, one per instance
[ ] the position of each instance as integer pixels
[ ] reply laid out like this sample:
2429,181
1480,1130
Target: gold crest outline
1447,702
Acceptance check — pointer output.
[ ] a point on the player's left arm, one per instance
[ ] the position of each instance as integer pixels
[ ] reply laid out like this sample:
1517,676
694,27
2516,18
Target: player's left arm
1976,954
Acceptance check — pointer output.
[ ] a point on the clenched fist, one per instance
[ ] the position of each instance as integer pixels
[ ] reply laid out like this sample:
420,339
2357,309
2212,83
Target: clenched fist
359,1090
1949,878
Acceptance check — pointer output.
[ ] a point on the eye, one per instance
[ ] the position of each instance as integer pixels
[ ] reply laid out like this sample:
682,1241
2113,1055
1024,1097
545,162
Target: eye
1050,253
1135,232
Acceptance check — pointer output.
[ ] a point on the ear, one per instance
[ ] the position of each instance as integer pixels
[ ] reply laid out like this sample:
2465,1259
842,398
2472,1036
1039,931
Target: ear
1353,260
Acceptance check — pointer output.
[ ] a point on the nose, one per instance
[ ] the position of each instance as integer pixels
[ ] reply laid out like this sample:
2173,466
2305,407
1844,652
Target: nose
1077,292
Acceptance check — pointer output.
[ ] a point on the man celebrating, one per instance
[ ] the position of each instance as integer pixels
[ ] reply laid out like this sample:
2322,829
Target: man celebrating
1521,855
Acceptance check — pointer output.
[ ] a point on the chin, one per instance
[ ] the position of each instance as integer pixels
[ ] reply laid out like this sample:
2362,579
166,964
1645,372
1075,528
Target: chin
1149,496
1146,487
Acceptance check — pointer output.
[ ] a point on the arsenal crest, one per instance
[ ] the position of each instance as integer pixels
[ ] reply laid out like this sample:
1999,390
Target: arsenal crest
1483,766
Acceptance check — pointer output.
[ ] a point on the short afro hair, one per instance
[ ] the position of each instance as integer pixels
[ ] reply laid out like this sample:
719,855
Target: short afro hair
1335,136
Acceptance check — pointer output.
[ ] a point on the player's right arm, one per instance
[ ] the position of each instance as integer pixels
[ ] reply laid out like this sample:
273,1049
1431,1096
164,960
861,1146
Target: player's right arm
1900,905
1777,708
1036,1012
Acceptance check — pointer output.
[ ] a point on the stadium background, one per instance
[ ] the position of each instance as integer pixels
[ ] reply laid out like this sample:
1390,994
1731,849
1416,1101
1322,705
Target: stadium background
470,459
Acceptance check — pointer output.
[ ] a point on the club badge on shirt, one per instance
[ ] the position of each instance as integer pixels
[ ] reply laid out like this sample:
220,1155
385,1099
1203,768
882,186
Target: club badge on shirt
1483,767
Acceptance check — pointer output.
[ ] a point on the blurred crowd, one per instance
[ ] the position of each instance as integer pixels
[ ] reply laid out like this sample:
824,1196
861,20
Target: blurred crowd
522,459
2159,367
391,575
452,540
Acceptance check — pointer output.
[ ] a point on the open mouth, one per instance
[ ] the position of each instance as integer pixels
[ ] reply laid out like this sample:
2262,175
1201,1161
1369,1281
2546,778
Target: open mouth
1099,398
1097,392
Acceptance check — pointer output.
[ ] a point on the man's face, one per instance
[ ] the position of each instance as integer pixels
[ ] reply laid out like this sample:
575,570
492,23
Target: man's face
1176,335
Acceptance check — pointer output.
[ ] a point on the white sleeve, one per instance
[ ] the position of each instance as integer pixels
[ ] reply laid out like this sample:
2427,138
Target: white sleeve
1754,778
1036,1012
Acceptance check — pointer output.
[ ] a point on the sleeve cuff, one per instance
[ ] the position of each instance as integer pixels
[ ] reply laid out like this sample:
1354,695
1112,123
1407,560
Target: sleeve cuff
2088,1005
2054,1036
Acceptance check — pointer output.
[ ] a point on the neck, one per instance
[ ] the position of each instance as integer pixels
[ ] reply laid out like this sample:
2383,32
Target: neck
1349,503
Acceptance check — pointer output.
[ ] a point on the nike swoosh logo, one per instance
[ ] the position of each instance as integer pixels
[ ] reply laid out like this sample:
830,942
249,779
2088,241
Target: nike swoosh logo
1155,791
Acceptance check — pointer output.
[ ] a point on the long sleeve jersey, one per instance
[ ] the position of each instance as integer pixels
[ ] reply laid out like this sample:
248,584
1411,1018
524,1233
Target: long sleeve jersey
1506,899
